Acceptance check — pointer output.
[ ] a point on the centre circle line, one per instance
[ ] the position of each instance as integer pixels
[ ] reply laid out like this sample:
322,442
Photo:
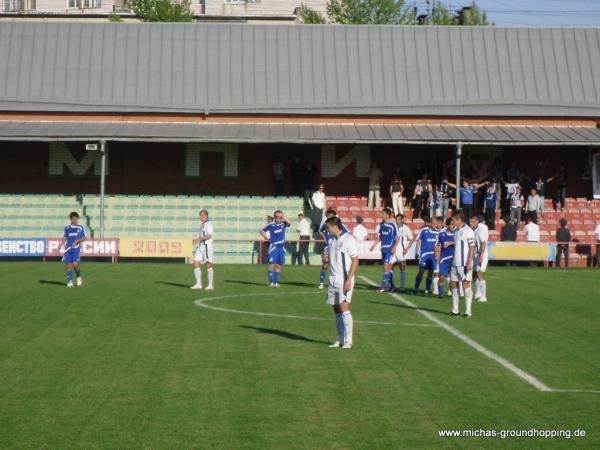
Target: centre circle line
203,303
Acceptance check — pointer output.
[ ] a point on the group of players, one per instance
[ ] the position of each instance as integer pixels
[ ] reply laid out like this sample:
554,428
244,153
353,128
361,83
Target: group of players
445,249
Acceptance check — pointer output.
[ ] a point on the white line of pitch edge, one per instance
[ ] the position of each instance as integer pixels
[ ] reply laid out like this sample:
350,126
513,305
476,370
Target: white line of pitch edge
471,343
201,302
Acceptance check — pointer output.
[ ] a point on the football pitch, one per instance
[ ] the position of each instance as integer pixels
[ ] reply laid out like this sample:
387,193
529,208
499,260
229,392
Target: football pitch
135,359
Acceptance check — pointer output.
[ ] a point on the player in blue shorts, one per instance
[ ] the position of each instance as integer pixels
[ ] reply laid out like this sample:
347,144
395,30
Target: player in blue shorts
438,225
445,254
326,235
73,236
387,234
426,242
276,230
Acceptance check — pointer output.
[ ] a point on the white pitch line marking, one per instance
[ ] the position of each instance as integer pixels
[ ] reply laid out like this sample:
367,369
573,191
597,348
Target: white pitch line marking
202,302
585,391
474,344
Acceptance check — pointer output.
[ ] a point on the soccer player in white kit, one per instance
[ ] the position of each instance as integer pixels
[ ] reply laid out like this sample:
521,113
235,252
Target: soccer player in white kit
204,252
481,256
343,262
462,263
406,236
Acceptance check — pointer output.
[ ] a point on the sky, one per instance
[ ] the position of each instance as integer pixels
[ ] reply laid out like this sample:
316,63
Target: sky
533,12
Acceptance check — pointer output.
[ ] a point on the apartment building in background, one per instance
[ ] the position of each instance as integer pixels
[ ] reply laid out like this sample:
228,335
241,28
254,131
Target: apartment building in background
262,11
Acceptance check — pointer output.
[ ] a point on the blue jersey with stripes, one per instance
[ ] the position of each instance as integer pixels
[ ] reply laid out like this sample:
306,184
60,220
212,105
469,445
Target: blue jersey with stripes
446,242
277,233
72,233
429,239
388,233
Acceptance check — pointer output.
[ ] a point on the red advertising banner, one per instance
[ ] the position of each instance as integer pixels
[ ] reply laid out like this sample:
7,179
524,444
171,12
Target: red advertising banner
90,247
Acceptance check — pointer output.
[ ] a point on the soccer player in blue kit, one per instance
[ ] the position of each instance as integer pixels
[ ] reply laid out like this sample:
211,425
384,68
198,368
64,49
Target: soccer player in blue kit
387,234
445,254
426,242
73,236
276,230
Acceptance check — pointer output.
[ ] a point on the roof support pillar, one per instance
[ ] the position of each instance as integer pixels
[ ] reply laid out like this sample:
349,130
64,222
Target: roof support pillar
459,146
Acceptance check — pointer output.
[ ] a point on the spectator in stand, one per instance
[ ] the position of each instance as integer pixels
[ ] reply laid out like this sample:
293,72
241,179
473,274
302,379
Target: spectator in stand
509,230
296,174
563,237
304,235
532,230
562,178
540,187
375,176
359,232
318,203
445,190
598,245
533,205
511,188
396,193
309,176
435,203
466,196
279,177
516,205
489,206
421,196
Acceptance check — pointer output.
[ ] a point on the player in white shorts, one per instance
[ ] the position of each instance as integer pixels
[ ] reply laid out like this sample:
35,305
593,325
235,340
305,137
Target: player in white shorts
343,262
204,252
481,256
462,263
406,235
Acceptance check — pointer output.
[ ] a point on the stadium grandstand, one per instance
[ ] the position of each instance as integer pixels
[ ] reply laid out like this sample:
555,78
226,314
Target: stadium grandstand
138,126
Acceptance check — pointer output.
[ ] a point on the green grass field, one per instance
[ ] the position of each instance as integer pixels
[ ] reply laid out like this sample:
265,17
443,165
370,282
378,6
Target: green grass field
130,361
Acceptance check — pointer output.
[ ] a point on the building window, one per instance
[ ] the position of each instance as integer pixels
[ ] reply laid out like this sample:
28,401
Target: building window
18,5
85,4
234,1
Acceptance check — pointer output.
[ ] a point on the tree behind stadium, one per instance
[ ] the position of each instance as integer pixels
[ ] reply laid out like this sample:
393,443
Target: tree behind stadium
162,10
391,12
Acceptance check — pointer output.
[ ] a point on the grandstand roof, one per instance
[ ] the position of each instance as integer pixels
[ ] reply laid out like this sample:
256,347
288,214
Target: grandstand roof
298,133
299,69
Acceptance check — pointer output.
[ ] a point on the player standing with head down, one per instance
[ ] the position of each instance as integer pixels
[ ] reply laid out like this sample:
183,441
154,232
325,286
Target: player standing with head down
343,262
462,263
276,230
204,252
481,256
426,242
326,235
444,255
73,236
406,236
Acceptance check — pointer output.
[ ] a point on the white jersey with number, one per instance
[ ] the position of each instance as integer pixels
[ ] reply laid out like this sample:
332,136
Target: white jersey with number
464,238
341,252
